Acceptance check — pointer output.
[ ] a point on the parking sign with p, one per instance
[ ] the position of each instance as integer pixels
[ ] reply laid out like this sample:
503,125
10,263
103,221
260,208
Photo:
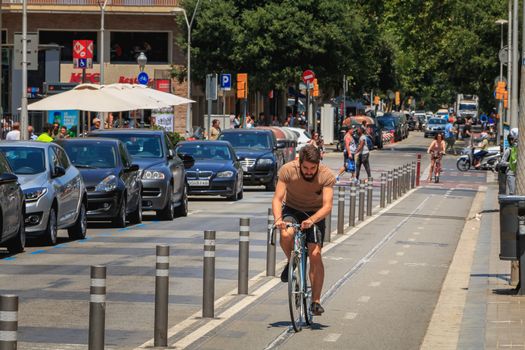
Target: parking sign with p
226,82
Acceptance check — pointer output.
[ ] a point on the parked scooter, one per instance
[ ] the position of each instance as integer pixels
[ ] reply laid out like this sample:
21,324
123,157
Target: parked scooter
489,161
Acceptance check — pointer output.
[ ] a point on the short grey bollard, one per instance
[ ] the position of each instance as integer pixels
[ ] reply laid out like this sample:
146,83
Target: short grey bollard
407,177
369,196
341,211
97,308
208,284
328,228
8,322
244,254
353,193
399,182
270,248
413,176
389,187
395,184
403,179
361,213
382,193
162,291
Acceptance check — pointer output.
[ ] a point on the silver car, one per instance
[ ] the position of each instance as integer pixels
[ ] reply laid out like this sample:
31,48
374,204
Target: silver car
54,191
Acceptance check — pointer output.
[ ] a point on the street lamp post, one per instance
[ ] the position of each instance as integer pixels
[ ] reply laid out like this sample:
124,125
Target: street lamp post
24,118
189,24
142,60
515,58
501,22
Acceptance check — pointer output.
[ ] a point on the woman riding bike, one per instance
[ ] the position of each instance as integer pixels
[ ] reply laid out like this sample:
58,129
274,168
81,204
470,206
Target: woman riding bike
436,151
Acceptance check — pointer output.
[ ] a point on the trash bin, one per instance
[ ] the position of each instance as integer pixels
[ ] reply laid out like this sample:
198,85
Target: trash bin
510,207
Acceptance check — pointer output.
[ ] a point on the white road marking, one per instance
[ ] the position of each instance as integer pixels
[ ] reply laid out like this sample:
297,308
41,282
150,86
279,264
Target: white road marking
332,337
406,246
384,272
415,264
392,262
400,253
416,233
350,315
374,284
420,228
192,212
364,299
411,239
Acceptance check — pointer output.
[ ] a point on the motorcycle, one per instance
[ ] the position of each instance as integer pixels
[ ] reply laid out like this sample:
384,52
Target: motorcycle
488,162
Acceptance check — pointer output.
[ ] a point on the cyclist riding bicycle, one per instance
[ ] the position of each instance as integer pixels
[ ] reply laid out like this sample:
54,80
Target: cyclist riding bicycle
304,194
436,151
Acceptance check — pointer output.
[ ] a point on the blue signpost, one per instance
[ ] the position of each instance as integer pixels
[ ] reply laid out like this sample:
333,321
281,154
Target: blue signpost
226,82
143,78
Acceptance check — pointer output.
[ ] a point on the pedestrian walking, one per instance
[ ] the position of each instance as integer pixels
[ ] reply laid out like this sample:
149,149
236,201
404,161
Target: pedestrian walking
348,155
450,136
317,142
215,129
31,133
362,154
249,122
14,135
46,136
509,161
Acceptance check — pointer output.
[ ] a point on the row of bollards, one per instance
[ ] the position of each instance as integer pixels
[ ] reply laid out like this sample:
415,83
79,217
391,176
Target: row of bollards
393,185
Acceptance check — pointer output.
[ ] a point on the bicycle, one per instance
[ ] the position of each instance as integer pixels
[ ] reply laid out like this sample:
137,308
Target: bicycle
299,290
437,165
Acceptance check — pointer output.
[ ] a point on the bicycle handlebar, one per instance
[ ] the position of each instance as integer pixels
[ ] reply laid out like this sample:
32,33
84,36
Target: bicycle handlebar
288,225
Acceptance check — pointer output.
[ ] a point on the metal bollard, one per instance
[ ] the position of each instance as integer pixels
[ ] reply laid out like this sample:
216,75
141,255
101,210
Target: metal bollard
413,176
353,193
328,228
394,188
97,308
8,322
389,186
341,211
407,182
382,193
418,169
399,182
404,188
361,213
244,255
162,292
369,196
208,284
270,249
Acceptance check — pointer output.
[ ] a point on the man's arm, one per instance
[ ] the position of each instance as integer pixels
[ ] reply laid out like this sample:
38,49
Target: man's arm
277,203
328,196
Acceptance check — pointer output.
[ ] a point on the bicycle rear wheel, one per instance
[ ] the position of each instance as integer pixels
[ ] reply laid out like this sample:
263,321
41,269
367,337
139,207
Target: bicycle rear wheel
295,295
307,297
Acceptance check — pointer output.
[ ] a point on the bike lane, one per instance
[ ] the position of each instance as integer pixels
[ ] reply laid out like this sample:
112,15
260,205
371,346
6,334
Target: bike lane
382,282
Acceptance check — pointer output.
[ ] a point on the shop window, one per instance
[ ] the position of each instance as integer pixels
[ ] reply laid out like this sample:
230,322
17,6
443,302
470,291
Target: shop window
65,39
126,46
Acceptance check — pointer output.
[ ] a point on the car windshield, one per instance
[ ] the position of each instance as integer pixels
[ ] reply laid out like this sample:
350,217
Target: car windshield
201,151
140,146
91,154
467,107
25,160
247,139
437,121
387,123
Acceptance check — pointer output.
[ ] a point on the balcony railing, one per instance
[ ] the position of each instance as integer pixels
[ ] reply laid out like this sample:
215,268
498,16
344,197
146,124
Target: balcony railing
159,3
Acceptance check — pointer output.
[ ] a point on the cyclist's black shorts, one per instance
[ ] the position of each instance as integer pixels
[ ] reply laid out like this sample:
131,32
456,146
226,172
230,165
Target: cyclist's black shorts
291,214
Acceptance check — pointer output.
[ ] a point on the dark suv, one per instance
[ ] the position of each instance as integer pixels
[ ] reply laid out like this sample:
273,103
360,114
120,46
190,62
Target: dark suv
259,155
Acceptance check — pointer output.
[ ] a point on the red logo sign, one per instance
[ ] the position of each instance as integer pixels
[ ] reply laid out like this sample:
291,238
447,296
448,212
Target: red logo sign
308,76
83,49
163,85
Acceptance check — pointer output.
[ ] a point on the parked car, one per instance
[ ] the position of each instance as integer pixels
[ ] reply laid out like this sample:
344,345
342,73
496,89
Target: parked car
259,155
12,210
163,174
390,124
54,191
373,130
112,181
303,137
285,142
216,171
434,126
403,120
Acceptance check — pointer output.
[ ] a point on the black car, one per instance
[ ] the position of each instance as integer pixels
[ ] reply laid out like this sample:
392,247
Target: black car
12,206
163,173
390,124
112,181
259,155
216,171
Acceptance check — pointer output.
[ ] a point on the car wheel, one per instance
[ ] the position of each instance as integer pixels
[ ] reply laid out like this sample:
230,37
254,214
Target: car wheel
240,195
182,209
17,244
168,212
51,231
136,216
120,219
272,184
233,196
79,229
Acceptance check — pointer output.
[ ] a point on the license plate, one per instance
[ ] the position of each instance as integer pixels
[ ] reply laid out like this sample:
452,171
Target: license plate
199,182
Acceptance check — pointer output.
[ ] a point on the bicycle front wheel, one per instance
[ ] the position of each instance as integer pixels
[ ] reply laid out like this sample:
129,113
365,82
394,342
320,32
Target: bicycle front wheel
295,294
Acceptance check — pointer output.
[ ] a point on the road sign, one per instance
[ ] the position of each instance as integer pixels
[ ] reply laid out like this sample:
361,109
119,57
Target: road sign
143,78
32,51
226,82
83,63
308,76
83,49
211,87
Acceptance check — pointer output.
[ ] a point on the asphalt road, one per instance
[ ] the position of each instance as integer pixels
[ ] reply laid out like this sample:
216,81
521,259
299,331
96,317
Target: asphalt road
53,282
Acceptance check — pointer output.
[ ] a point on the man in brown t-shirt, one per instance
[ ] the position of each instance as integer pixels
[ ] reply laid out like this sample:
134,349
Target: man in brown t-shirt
304,193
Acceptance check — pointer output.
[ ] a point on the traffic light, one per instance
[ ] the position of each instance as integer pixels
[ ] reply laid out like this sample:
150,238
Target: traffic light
316,89
500,89
398,98
242,85
376,100
505,99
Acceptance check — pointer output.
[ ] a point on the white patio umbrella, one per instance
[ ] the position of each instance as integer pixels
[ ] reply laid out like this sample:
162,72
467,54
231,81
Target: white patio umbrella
126,92
85,97
170,99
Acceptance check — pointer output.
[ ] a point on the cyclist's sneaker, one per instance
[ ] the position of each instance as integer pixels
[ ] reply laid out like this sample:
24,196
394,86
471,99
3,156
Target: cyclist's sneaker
284,274
317,309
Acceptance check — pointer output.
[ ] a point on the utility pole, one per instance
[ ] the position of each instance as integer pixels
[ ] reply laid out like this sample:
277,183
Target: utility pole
520,124
24,119
509,65
344,98
515,63
501,22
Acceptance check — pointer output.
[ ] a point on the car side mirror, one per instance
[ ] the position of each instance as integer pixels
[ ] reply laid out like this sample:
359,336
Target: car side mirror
132,168
59,171
171,155
281,144
188,161
6,178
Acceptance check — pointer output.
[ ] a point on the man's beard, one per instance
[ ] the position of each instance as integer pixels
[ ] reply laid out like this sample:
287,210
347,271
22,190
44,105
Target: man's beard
311,177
